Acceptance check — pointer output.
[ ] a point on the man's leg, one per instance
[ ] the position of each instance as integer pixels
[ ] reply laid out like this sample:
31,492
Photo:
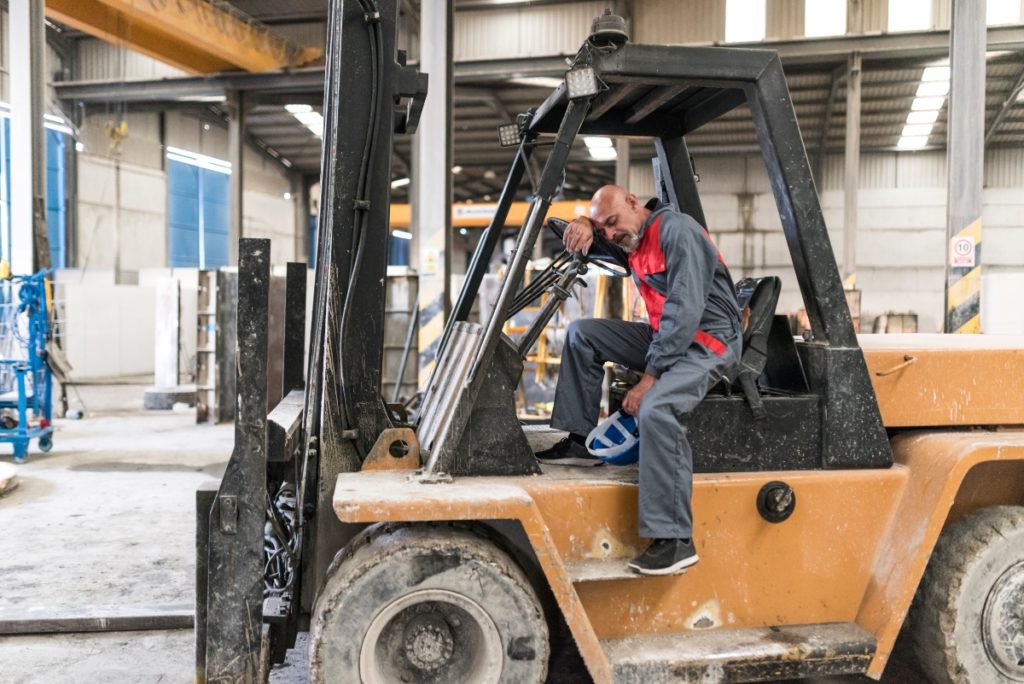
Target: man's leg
666,460
589,343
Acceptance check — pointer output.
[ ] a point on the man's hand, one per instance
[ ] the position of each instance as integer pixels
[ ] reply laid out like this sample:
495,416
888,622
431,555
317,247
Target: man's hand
579,235
631,403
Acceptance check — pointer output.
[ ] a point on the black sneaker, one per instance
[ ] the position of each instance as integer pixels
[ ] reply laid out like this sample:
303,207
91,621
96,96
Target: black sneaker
568,453
665,557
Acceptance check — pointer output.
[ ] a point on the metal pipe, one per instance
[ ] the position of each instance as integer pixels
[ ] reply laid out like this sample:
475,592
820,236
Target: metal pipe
439,391
559,293
451,402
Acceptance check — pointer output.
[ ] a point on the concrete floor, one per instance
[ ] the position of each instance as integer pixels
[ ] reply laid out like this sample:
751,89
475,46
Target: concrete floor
106,522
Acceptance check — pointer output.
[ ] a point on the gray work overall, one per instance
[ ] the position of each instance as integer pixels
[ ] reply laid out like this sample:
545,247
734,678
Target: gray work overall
699,298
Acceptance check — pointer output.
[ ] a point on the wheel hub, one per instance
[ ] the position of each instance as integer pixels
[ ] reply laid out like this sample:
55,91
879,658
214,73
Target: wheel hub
428,642
1002,623
432,636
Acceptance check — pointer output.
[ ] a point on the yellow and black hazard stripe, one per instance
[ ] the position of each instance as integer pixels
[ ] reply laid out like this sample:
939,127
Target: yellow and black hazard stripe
963,286
430,332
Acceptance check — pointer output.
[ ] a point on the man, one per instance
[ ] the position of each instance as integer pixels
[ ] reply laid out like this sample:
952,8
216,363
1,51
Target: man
692,339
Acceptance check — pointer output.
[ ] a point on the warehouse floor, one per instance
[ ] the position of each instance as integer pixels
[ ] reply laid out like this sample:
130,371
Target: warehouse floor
104,524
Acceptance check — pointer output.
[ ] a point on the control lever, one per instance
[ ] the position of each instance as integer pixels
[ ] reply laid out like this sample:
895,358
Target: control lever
559,292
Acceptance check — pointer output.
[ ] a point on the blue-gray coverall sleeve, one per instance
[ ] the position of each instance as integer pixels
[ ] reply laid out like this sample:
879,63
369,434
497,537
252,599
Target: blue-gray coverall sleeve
690,262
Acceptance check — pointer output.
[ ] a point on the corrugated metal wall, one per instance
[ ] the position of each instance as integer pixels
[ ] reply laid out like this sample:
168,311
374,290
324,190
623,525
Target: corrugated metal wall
784,19
523,31
102,61
1005,169
901,242
672,22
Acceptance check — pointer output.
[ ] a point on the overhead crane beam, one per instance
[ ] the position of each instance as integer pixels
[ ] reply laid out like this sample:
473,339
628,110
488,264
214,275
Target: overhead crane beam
197,36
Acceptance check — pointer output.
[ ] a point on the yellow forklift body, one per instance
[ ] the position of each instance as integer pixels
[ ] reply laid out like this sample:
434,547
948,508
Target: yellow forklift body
853,551
945,380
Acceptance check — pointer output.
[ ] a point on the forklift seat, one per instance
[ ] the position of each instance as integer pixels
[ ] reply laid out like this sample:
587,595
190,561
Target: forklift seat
758,298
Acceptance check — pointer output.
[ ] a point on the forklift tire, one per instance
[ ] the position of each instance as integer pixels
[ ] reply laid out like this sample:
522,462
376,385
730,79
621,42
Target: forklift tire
427,603
967,621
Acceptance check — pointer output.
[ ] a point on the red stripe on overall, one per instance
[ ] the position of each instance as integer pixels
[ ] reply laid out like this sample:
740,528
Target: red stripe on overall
647,260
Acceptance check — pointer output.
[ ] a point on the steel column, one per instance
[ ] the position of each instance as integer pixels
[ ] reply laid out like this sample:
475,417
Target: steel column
851,182
966,163
622,162
28,236
826,124
235,105
677,174
432,163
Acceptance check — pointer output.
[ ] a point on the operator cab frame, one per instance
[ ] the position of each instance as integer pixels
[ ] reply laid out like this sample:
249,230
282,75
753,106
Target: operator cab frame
819,407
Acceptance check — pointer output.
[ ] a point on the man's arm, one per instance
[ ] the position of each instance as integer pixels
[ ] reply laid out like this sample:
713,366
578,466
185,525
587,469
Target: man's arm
579,235
690,261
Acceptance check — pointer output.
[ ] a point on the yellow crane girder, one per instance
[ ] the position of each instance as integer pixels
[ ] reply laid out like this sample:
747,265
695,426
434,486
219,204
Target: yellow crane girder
197,36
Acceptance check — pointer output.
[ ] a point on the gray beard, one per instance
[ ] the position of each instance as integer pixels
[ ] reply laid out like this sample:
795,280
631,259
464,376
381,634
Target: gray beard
630,244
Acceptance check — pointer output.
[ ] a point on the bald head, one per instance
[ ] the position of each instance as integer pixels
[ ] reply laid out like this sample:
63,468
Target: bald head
618,215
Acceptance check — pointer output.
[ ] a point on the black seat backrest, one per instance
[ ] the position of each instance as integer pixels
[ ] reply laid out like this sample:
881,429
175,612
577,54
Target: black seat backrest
758,298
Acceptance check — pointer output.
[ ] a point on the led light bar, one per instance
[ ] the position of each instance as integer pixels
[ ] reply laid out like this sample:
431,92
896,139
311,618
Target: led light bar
581,82
508,135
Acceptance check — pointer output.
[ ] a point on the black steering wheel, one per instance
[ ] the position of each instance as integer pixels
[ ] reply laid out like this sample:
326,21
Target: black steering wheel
604,253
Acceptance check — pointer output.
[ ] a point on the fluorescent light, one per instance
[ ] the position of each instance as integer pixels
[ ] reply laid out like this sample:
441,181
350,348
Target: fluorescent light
402,234
914,143
596,142
399,183
603,153
927,103
307,118
912,130
923,117
456,169
200,160
539,81
936,73
314,121
744,20
932,88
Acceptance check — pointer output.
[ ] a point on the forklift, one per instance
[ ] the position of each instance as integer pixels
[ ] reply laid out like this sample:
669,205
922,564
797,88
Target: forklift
843,486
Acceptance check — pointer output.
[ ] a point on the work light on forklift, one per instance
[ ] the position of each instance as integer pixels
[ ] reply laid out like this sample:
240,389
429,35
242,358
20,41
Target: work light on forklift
581,82
508,135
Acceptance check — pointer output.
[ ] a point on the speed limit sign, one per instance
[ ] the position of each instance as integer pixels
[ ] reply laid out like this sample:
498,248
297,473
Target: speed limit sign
962,252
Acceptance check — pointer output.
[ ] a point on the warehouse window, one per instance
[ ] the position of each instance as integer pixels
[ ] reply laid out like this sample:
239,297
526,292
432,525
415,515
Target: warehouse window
824,17
910,15
198,220
744,20
58,135
924,111
1002,12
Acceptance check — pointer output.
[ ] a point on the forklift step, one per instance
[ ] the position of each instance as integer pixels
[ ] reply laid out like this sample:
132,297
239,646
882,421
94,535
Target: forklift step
742,655
600,570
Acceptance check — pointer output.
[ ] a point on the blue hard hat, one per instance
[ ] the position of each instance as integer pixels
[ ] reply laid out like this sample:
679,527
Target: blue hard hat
616,440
